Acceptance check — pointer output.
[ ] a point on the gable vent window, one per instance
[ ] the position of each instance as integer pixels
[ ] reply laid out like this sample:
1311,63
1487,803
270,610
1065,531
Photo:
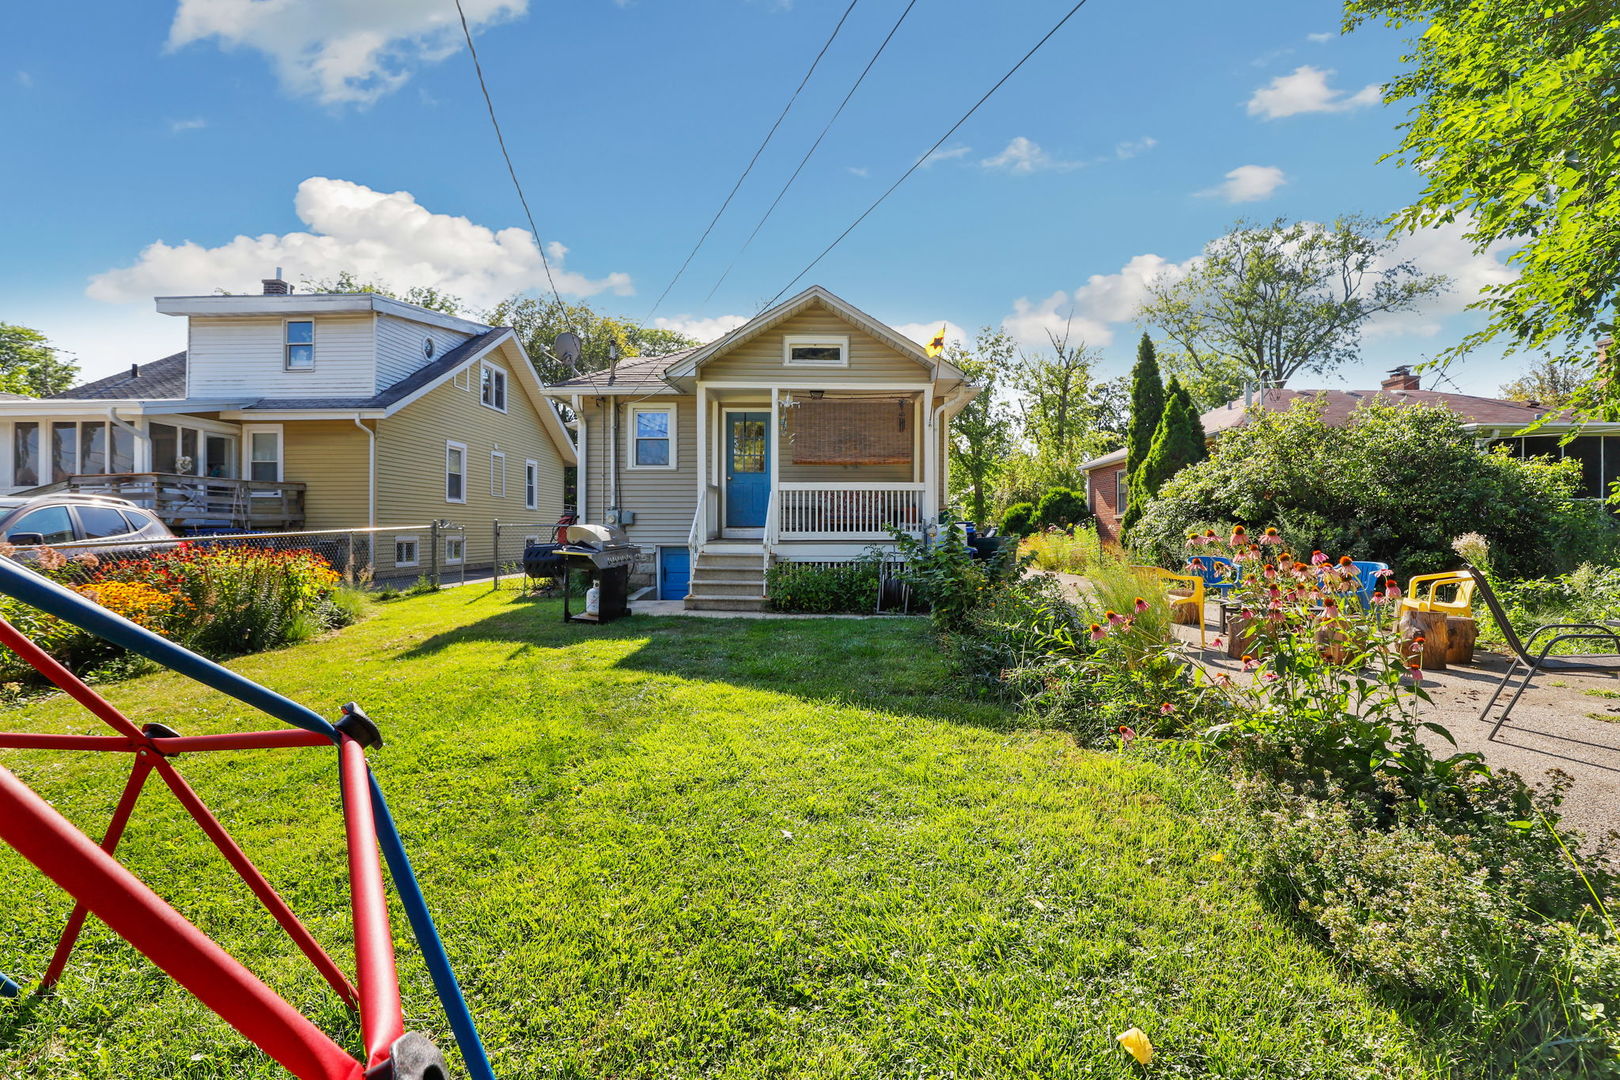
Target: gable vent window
300,354
802,350
493,392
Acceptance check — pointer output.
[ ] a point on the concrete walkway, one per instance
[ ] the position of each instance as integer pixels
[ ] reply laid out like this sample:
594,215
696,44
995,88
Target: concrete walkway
678,607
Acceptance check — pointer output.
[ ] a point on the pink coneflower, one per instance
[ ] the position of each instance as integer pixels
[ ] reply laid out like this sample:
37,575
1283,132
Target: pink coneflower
1246,613
1385,572
1222,679
1097,633
1271,536
1196,565
1217,644
1114,618
1330,605
1393,589
1273,592
1270,676
1126,734
1249,662
1378,596
1239,535
1271,572
1141,604
1317,558
1165,709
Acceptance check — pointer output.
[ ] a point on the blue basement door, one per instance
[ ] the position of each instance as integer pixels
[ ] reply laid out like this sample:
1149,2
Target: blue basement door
674,573
748,469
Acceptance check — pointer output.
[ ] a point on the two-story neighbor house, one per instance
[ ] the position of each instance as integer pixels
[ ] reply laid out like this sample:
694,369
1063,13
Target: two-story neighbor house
310,411
805,435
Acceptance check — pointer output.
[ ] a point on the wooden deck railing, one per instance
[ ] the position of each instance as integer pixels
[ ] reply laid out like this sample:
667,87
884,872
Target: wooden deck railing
848,511
201,502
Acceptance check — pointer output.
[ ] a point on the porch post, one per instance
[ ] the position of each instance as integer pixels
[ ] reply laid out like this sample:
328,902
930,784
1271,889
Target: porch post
701,509
930,507
773,500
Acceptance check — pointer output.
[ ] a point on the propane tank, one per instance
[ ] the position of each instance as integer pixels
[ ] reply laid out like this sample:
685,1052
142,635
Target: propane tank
593,600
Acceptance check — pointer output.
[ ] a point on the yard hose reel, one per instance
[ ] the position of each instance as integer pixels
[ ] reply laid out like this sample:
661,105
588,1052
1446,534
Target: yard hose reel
103,887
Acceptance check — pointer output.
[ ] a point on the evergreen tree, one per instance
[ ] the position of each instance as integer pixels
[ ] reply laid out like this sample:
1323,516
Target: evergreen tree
1147,409
1178,443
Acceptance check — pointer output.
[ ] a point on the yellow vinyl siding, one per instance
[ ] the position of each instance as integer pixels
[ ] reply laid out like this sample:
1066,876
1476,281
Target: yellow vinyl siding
411,465
663,500
331,458
870,360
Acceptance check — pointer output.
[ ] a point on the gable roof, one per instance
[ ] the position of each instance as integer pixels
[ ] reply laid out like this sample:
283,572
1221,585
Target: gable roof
158,380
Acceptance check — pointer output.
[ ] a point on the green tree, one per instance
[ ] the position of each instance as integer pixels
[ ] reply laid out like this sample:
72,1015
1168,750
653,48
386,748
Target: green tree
347,281
1064,413
1553,383
1147,409
1271,300
982,434
1511,131
1178,443
538,321
30,364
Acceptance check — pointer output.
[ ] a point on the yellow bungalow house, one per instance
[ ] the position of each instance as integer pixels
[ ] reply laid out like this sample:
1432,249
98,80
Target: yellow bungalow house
293,411
805,434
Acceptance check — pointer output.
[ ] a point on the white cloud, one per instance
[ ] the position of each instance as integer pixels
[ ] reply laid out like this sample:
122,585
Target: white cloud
1249,183
947,154
196,123
1306,90
24,79
700,329
1133,147
1443,250
1090,312
858,170
1024,156
338,51
386,236
923,332
1320,39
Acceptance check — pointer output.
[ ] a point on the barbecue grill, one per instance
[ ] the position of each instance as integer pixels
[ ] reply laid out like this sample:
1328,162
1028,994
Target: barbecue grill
603,552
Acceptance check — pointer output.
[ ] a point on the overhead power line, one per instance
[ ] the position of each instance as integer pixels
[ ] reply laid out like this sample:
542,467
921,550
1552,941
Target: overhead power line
804,160
918,163
522,198
750,166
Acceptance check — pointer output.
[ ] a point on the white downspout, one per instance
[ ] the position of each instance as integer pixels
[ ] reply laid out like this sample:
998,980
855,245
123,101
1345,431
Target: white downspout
939,451
371,474
582,490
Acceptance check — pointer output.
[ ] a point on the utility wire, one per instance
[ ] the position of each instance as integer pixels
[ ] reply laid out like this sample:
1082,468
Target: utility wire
804,160
918,163
501,139
712,222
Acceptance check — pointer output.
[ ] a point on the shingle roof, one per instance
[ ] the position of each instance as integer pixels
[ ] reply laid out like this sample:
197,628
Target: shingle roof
638,373
417,379
165,378
1337,405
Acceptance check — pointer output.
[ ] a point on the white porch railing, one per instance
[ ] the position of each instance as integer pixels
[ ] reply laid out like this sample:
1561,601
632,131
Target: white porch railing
700,522
847,511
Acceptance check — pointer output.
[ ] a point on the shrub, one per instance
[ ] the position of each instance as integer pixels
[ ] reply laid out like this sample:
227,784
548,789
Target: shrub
1068,553
948,580
1061,507
842,588
1019,520
1396,484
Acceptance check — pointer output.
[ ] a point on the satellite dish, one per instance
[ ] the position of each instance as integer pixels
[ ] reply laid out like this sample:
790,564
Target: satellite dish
567,348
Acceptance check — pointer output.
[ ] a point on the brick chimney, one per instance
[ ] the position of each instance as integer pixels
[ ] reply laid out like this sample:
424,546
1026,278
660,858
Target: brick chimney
275,286
1400,378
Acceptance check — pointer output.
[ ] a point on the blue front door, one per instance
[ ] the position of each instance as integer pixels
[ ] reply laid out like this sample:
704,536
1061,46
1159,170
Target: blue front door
748,469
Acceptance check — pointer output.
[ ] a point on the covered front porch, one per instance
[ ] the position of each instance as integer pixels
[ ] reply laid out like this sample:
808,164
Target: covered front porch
813,471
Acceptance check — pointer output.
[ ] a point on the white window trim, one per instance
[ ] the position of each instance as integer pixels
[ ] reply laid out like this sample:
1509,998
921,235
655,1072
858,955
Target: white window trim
630,435
248,431
449,445
531,491
497,492
506,385
841,341
461,544
1122,490
416,546
286,346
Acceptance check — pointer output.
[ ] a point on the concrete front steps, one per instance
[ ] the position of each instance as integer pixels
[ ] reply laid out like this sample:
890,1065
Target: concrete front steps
728,577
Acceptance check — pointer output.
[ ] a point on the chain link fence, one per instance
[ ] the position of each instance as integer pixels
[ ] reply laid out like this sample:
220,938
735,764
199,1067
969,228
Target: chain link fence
507,541
395,556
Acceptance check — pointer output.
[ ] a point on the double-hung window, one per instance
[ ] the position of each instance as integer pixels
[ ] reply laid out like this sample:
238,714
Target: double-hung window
455,472
405,551
1122,489
493,387
652,437
300,345
497,474
264,454
531,484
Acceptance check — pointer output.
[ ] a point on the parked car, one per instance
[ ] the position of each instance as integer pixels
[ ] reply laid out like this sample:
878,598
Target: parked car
108,526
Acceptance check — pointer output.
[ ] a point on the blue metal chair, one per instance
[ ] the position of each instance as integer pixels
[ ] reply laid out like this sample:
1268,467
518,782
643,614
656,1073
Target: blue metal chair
1367,580
1219,572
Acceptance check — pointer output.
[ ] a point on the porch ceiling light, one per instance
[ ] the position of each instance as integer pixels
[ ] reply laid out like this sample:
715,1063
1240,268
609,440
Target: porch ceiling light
818,394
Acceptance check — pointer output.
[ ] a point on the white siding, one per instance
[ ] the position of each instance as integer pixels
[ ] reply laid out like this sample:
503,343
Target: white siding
243,356
399,347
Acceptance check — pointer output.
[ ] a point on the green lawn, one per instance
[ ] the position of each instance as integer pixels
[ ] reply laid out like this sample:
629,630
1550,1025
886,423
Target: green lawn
687,847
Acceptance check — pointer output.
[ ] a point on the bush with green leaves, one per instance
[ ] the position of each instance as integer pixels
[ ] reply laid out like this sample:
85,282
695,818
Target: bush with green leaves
814,589
947,579
1019,520
1393,485
1061,508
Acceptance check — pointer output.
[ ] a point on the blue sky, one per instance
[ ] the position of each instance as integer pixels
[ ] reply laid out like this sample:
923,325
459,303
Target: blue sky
181,147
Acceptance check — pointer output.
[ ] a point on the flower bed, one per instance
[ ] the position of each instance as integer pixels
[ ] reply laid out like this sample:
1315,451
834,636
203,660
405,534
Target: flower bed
219,601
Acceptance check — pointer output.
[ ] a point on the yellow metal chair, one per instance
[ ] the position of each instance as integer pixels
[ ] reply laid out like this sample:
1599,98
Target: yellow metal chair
1423,594
1190,582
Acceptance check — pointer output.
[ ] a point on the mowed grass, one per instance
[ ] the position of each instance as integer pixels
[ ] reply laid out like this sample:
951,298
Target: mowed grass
696,848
